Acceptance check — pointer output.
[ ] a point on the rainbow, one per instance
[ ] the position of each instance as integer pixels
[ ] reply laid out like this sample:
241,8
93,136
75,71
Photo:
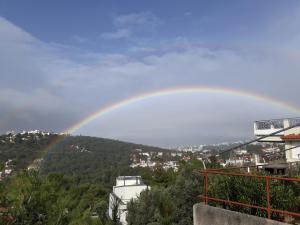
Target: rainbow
178,90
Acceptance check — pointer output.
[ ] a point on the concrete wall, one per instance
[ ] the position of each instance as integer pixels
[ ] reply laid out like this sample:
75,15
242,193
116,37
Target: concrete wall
293,154
208,215
129,192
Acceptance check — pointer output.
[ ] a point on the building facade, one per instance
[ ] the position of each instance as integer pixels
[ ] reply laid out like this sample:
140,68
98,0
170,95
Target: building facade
291,137
126,189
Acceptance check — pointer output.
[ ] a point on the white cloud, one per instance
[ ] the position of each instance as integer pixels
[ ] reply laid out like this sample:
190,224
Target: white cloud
127,25
118,34
42,82
133,19
79,39
28,69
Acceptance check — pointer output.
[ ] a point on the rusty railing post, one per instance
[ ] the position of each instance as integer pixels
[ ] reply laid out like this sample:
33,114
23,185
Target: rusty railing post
206,187
268,196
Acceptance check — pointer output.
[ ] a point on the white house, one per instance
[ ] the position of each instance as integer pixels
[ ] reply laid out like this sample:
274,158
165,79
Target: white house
127,188
235,162
241,151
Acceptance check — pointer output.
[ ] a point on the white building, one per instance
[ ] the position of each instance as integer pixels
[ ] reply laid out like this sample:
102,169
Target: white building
234,162
241,151
290,137
126,189
7,171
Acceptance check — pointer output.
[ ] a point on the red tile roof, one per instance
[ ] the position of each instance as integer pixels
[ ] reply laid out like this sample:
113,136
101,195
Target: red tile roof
291,137
3,210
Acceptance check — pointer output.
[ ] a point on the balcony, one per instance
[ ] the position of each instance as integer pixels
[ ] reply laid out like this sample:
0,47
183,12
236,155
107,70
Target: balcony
267,127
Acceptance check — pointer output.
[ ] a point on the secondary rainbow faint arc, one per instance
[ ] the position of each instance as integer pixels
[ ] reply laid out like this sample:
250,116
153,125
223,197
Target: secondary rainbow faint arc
179,90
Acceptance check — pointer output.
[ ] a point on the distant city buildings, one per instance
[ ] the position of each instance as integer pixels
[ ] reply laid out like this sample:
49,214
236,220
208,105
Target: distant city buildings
167,160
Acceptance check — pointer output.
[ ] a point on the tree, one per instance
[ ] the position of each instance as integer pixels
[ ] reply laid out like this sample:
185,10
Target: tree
101,210
184,194
283,195
152,207
115,209
54,199
2,166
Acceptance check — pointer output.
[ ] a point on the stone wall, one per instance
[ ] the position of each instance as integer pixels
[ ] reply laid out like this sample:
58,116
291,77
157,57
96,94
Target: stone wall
208,215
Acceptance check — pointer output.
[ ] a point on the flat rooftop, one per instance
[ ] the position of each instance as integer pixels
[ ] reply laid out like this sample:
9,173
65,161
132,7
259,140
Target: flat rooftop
129,177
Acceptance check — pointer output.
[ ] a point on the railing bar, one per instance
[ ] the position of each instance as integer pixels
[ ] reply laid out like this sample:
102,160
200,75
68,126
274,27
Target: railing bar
236,174
285,212
251,175
285,178
234,203
267,179
252,206
230,168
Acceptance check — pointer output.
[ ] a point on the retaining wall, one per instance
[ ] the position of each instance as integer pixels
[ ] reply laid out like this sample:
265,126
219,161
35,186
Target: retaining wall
208,215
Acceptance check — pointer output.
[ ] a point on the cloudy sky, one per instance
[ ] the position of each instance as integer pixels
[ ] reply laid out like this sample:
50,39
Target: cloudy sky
60,61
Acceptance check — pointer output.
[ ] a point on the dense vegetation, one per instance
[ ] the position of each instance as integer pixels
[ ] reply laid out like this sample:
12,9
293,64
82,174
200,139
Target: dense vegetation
24,148
76,176
170,202
32,198
90,159
55,199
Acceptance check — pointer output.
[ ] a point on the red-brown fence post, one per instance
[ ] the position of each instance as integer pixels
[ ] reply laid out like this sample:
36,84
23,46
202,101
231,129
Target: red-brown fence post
206,187
268,196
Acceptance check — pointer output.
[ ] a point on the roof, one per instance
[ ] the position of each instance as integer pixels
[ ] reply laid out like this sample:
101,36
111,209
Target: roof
129,177
276,166
3,210
291,137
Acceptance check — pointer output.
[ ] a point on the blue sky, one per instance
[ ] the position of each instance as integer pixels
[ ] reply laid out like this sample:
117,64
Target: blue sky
62,60
81,23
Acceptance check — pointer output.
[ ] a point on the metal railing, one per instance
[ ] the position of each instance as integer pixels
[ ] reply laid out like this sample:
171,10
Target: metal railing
206,198
268,124
275,123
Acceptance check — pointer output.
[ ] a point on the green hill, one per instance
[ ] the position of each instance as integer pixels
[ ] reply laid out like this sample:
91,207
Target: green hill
90,159
93,159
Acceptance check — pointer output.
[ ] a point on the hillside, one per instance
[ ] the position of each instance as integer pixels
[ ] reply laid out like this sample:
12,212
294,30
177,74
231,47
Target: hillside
22,148
90,158
76,175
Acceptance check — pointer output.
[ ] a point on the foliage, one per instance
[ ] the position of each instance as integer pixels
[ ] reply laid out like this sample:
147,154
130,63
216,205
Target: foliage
54,199
171,200
184,193
283,195
76,176
24,148
88,159
187,185
153,206
103,161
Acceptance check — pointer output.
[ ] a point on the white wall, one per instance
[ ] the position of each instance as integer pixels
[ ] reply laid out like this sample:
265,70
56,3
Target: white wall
293,154
122,209
125,193
128,192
